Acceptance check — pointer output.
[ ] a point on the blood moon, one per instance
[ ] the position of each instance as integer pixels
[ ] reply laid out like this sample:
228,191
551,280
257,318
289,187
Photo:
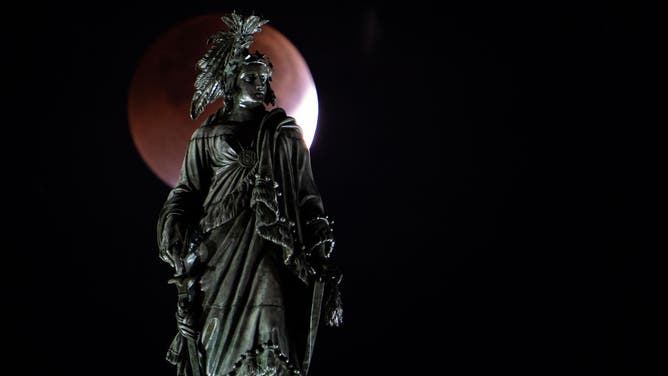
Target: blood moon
162,87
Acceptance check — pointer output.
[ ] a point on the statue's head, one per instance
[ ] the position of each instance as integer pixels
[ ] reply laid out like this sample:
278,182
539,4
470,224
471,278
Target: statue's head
227,61
250,83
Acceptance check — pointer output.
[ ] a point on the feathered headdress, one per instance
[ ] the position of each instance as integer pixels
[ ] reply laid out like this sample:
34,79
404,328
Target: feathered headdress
220,64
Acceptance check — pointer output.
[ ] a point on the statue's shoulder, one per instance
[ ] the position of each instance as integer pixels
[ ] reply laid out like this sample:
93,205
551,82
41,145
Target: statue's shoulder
284,124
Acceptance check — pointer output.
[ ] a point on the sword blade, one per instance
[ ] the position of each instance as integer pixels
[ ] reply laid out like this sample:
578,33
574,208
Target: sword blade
316,306
193,354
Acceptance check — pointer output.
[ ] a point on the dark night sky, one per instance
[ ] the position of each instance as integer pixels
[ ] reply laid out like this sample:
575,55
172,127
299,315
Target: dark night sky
494,172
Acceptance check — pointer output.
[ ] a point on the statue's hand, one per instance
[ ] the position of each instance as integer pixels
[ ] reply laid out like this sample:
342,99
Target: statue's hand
172,255
171,251
172,246
166,256
325,270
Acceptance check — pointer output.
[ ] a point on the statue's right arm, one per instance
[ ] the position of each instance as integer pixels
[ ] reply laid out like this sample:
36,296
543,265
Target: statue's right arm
183,206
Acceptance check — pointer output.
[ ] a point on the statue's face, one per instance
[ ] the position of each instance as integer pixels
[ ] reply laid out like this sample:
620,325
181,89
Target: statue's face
252,84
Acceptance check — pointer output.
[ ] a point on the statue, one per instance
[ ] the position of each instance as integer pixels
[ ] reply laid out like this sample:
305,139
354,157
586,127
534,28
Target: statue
245,228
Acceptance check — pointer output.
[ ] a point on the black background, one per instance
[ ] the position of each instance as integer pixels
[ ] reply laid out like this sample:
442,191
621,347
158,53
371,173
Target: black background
493,169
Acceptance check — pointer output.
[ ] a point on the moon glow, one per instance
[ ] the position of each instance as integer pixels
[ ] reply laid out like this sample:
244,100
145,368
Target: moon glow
162,87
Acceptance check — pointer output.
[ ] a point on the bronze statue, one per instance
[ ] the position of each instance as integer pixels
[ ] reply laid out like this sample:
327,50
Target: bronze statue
244,227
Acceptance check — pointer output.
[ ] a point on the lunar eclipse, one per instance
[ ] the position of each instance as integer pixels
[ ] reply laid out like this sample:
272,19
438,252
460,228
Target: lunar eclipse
162,87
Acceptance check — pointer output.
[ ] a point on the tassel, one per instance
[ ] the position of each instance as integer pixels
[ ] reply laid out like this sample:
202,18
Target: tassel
334,306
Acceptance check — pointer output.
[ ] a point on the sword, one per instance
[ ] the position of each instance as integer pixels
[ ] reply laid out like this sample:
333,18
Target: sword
316,306
184,286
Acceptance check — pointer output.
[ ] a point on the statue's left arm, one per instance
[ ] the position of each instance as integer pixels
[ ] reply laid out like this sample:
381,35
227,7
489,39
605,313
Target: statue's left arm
314,229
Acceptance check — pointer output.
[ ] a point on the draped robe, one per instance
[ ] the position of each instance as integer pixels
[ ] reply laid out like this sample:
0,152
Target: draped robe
258,219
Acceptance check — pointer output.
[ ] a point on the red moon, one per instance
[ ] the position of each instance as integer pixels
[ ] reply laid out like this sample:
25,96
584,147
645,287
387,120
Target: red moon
162,87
